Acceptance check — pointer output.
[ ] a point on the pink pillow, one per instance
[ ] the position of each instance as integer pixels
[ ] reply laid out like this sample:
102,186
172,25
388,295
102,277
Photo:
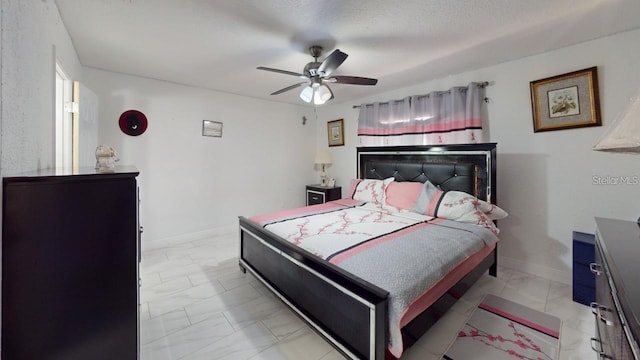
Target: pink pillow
354,186
403,195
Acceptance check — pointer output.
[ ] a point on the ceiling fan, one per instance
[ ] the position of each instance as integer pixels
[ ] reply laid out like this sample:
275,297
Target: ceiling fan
317,74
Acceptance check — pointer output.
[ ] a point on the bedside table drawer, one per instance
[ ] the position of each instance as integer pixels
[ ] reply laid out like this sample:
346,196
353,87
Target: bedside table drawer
317,194
314,197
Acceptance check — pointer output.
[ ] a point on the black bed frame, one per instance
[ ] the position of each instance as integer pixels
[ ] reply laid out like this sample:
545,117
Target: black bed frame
347,311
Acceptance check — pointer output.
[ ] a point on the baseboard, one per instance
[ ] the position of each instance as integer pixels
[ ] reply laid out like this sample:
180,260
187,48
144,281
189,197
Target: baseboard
536,270
172,240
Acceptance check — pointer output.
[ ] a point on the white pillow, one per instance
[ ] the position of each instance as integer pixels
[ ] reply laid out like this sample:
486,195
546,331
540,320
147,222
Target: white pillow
458,206
372,190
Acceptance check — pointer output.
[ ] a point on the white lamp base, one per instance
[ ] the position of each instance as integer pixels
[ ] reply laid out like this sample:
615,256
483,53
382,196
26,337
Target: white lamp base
323,177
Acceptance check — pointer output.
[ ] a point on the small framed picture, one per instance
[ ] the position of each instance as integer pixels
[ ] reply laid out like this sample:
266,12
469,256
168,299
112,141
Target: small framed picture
211,128
566,101
335,132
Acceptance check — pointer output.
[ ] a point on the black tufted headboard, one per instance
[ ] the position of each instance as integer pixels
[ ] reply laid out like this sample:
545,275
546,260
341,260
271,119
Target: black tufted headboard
464,167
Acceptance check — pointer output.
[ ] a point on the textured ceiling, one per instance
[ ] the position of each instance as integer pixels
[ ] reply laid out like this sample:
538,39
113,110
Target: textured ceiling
217,44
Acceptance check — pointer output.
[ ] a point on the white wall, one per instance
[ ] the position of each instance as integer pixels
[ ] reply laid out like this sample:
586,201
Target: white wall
545,180
193,184
33,36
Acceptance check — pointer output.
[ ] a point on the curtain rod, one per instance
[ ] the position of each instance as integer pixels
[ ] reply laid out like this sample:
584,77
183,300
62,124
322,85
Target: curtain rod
480,84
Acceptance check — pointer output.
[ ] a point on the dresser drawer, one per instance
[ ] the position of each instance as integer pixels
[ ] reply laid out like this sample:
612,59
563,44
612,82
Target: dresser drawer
603,309
614,344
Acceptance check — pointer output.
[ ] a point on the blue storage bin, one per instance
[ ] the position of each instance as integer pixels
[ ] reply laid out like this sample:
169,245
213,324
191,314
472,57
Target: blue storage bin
584,282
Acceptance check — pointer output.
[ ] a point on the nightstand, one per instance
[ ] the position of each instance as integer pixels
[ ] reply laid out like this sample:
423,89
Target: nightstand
317,194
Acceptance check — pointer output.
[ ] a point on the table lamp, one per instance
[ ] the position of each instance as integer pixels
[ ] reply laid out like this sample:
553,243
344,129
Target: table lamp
323,158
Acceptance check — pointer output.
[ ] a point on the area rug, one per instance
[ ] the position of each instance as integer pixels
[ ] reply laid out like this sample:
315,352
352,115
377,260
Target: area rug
501,329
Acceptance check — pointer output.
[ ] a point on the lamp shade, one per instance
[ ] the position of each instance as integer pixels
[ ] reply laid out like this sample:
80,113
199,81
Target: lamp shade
307,94
323,93
624,135
323,157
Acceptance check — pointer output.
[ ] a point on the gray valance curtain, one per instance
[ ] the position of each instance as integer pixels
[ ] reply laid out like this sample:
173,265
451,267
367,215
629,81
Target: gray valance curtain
443,117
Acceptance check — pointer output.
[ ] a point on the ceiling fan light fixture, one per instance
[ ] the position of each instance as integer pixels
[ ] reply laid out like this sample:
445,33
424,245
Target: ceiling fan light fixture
322,95
317,100
317,73
307,94
316,82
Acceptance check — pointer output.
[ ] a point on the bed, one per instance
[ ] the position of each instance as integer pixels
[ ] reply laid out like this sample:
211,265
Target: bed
350,311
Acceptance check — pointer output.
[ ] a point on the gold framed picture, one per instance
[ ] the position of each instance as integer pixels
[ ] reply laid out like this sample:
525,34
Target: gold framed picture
566,101
335,132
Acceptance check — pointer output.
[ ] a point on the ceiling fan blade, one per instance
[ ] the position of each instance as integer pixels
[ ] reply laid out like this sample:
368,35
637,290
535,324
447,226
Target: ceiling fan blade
282,71
335,59
353,80
289,88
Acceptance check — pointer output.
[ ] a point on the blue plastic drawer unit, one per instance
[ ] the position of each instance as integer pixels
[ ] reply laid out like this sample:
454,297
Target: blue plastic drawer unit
584,282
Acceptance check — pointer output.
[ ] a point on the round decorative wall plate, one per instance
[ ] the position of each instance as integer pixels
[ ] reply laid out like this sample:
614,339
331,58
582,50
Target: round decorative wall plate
133,122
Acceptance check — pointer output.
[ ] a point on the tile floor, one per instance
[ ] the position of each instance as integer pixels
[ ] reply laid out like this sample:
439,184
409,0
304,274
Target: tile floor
196,304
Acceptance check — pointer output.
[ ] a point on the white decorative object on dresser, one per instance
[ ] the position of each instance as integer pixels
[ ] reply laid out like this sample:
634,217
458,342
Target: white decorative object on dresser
617,305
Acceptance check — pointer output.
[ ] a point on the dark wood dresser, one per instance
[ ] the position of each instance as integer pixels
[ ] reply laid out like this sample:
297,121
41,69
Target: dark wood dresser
70,271
617,305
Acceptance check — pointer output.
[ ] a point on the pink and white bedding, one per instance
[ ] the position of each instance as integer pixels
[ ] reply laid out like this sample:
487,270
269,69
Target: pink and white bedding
458,206
403,252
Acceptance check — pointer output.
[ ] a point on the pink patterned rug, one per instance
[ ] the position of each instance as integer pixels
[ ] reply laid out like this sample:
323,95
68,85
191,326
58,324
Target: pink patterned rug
501,329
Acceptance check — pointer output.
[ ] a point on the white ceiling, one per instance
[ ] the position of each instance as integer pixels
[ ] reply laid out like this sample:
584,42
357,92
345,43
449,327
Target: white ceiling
217,44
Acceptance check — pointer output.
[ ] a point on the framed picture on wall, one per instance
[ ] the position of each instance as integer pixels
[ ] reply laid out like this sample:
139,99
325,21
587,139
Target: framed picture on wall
335,132
211,128
566,101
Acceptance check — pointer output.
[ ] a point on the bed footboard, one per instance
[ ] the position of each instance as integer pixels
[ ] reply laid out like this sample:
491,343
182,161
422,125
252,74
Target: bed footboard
345,310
